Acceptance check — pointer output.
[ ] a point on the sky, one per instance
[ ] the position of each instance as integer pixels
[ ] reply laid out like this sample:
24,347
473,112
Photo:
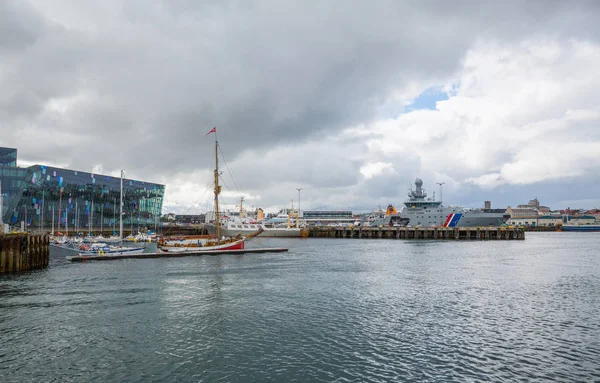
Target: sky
349,101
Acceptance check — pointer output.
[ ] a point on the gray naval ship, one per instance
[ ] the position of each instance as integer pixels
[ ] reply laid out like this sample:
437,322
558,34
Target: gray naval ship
425,212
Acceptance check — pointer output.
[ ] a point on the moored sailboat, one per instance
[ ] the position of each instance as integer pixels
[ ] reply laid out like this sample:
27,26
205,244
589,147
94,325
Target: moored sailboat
218,243
99,248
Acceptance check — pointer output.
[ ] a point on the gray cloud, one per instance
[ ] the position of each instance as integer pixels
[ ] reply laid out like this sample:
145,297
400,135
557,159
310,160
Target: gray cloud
137,84
20,26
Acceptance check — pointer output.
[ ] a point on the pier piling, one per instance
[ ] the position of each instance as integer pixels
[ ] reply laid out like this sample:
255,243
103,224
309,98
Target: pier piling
429,233
23,252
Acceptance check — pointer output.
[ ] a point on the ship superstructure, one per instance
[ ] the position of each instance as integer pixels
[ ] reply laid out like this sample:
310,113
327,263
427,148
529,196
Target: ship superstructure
421,211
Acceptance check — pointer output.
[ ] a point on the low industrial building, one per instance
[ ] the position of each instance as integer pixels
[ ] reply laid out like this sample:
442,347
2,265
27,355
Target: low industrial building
328,217
189,219
582,220
523,221
516,212
549,221
594,213
522,216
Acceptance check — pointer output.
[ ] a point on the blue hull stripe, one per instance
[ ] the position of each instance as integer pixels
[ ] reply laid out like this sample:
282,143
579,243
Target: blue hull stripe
454,220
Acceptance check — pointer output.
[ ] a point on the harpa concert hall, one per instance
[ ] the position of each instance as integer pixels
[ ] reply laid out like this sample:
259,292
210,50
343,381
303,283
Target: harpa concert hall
40,195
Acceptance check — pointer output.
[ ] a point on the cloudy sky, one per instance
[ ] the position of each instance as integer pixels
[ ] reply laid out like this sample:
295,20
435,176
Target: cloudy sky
350,101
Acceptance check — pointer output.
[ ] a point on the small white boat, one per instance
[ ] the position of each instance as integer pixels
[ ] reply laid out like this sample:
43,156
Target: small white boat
141,237
129,238
111,239
59,240
104,249
88,239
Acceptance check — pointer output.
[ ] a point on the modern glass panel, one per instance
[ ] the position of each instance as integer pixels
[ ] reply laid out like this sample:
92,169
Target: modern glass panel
89,201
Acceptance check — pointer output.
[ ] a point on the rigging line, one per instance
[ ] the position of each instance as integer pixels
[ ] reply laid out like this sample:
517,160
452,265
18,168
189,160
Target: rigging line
207,189
225,184
235,204
229,170
228,189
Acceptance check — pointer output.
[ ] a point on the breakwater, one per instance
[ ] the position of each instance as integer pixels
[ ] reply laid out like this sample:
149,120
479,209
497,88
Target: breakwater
462,233
23,252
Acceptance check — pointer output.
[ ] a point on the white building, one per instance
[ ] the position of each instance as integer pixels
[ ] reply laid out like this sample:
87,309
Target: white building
523,221
548,220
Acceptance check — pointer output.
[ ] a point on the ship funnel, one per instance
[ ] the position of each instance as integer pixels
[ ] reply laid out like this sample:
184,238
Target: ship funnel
391,210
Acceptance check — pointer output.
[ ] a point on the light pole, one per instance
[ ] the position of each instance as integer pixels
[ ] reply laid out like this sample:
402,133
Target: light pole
441,183
441,216
1,202
298,217
299,189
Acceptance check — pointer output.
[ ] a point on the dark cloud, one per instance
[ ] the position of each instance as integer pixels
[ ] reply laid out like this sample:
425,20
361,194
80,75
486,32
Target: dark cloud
20,26
140,82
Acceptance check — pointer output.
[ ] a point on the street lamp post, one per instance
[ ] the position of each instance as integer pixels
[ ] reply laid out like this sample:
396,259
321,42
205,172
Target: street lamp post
441,199
441,183
298,217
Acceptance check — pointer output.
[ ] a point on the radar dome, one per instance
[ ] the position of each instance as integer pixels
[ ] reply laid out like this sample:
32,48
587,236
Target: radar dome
419,182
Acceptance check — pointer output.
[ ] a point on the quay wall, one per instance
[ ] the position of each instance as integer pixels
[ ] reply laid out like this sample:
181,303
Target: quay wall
449,234
541,228
23,252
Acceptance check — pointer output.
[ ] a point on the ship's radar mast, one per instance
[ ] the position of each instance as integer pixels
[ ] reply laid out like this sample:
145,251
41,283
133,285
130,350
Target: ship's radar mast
419,193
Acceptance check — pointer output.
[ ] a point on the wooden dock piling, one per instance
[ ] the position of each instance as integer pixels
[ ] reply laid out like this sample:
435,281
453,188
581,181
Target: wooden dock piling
23,252
425,233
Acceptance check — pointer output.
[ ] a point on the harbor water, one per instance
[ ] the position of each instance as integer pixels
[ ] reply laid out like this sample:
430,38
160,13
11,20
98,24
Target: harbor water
345,310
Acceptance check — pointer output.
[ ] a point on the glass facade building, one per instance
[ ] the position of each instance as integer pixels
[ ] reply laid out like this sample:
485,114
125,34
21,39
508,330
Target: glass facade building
39,195
8,157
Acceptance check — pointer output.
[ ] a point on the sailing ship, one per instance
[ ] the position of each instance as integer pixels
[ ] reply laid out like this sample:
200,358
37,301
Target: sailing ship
209,244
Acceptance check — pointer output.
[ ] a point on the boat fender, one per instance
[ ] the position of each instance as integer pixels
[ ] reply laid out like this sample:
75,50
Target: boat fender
101,252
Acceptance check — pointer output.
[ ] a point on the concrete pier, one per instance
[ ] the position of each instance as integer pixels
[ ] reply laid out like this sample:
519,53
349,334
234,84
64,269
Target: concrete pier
430,233
541,228
162,254
23,252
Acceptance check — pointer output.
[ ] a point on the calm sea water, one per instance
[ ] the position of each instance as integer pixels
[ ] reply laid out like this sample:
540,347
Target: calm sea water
329,310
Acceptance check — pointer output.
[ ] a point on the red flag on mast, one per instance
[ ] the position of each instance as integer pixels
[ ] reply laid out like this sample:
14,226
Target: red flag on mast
213,130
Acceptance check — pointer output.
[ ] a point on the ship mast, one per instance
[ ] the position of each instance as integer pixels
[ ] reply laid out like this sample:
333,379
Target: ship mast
217,188
121,211
242,207
1,202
